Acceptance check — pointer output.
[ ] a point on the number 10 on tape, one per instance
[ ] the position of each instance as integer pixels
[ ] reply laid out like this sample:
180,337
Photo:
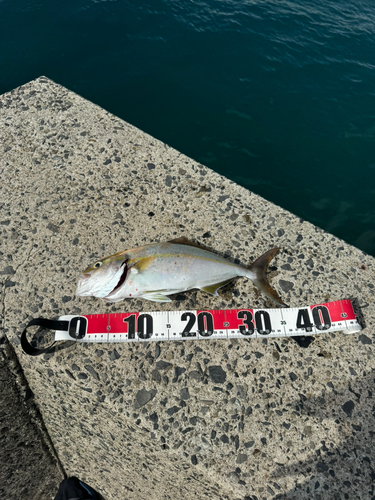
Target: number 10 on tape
211,324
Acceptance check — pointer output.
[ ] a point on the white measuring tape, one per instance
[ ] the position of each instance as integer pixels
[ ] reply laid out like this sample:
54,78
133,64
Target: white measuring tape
211,324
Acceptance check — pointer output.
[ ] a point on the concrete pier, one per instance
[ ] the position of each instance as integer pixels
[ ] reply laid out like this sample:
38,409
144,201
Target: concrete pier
240,419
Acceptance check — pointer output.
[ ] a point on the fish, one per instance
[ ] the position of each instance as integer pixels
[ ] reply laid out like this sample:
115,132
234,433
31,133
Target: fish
157,270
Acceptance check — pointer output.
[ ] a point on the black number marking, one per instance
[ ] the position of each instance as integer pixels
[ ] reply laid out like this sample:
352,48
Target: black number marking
247,328
190,317
205,324
321,317
303,320
130,320
145,326
263,322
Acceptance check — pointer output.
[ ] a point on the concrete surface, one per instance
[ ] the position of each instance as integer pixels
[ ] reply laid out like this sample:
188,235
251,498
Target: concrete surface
159,420
28,466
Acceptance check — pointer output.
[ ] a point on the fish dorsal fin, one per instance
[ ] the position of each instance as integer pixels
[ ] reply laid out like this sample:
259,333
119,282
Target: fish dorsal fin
185,241
212,289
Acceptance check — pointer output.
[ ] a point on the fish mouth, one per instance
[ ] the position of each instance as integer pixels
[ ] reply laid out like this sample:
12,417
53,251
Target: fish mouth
83,288
87,285
123,277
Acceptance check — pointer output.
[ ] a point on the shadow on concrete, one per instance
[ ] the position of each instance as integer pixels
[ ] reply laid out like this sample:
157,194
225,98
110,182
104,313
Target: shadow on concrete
29,467
342,472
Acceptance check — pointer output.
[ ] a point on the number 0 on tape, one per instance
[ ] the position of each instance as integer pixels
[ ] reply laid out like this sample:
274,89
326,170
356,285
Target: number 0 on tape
211,324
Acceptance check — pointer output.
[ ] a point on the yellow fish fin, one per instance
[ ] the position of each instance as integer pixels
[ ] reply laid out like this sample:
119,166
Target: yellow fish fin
212,289
156,296
143,264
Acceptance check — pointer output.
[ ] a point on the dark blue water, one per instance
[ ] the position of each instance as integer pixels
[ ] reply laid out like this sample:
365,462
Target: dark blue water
277,95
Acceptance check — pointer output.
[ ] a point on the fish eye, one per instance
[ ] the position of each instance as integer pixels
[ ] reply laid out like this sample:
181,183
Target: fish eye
98,264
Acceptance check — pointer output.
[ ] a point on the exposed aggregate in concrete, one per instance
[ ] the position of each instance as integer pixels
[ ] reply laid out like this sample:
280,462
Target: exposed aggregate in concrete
28,468
240,419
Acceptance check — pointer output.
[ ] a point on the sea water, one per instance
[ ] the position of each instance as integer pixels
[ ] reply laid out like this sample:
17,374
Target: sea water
278,95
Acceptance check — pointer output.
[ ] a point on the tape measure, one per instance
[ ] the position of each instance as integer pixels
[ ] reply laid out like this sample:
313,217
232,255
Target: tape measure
340,315
211,324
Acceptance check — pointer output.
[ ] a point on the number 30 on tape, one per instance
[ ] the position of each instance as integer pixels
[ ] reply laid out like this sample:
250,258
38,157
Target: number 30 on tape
211,324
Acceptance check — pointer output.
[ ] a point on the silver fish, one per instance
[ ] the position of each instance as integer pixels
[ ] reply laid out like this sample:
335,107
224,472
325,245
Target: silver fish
155,271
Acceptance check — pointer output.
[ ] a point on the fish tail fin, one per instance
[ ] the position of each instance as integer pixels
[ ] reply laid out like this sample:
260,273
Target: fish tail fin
259,278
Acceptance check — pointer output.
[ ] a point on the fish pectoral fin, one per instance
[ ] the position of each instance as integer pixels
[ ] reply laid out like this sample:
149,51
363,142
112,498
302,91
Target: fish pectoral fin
156,297
212,289
143,264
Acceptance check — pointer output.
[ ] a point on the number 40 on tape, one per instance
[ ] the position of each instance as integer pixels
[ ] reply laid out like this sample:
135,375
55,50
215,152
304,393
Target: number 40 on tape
211,324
